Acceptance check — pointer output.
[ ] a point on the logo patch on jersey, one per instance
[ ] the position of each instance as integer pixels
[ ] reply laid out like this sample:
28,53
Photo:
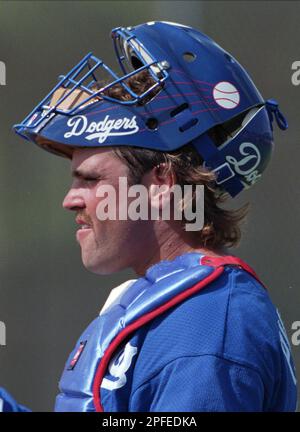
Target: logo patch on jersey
77,355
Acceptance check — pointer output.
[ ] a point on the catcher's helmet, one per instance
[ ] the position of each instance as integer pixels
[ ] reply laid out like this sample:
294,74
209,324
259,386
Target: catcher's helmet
199,89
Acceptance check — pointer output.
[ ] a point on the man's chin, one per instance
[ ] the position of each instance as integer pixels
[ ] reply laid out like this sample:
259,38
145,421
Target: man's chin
101,267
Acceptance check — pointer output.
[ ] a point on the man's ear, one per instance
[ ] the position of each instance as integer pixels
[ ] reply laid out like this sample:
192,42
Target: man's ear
160,181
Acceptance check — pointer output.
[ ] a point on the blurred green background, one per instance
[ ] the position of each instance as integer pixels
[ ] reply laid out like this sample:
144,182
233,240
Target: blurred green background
46,296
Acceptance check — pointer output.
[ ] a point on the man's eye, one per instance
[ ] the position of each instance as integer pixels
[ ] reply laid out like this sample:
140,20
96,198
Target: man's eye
91,179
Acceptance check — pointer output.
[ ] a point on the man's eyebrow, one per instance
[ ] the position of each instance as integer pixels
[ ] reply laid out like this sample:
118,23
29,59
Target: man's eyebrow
77,173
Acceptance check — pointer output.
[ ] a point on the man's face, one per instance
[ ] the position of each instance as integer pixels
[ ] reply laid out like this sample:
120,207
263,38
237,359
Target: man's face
106,245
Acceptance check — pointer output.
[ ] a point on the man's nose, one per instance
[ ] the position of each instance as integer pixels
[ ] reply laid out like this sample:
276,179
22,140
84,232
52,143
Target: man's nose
73,200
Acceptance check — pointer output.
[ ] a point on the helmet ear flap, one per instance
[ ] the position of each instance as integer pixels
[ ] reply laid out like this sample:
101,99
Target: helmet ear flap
239,160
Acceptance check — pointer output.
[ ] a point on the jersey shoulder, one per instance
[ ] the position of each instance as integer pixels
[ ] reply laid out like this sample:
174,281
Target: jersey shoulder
233,318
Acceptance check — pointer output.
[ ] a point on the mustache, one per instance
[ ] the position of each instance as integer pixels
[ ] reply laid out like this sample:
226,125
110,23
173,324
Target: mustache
85,217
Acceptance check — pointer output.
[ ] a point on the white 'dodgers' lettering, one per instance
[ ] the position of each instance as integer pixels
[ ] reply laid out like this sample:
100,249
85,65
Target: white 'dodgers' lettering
103,129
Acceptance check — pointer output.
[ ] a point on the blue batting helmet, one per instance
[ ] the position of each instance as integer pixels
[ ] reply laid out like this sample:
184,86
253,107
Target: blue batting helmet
198,88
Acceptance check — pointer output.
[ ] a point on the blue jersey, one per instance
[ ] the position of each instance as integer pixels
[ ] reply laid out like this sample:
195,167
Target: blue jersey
223,349
193,334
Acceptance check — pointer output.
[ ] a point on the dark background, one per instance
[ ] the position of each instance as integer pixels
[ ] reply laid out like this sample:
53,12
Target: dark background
46,296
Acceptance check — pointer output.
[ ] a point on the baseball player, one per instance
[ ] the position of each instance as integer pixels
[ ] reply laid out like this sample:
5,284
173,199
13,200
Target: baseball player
196,331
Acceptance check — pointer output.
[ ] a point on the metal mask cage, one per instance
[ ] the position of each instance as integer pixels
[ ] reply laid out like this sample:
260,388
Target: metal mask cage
80,87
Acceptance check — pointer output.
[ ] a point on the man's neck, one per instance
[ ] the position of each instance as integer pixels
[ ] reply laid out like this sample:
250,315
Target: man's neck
170,247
